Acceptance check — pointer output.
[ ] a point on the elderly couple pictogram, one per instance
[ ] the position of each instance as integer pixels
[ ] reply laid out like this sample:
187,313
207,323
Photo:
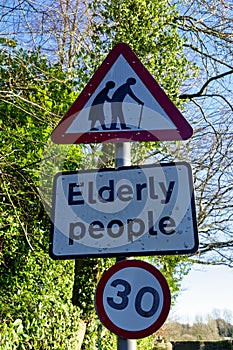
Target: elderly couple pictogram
97,107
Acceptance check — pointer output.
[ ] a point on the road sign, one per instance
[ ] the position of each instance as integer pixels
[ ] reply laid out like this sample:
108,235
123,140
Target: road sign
132,299
147,210
121,102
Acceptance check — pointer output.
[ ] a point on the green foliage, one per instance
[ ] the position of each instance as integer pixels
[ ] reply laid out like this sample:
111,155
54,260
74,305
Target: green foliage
150,28
225,329
220,345
205,345
146,343
211,329
174,268
36,310
98,337
33,93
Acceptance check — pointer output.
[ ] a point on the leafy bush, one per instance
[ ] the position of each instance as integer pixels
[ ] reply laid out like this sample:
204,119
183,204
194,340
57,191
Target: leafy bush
36,310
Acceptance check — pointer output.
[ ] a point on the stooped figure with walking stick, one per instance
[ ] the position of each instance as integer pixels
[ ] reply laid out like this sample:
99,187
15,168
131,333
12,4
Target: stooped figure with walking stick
117,103
97,107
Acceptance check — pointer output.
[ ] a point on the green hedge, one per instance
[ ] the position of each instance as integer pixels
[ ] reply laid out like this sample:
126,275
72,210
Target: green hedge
200,345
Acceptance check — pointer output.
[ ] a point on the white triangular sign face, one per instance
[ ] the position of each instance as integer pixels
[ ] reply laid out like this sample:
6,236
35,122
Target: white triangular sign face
122,102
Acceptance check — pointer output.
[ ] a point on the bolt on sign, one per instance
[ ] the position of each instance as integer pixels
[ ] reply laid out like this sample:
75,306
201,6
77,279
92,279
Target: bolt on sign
147,210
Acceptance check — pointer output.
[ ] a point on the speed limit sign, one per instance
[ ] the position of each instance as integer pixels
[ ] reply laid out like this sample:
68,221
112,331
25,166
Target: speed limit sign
132,299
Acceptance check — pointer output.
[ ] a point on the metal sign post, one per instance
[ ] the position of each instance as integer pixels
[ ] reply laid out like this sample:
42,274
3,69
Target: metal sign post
126,344
123,158
122,154
125,220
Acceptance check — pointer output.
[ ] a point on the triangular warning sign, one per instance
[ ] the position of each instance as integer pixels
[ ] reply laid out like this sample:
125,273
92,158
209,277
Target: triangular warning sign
122,102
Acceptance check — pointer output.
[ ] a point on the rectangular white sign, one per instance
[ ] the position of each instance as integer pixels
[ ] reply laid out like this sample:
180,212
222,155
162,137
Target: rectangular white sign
147,210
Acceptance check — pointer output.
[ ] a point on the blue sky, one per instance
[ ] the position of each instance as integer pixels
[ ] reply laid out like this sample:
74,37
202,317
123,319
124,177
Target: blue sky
204,289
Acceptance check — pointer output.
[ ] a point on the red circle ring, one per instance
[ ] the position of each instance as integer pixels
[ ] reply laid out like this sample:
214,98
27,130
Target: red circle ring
100,305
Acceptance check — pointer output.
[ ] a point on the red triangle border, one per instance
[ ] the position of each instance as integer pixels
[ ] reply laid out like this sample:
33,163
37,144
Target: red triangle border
184,130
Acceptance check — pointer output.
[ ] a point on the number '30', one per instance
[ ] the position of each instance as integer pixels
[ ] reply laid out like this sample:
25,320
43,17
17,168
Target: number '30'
124,298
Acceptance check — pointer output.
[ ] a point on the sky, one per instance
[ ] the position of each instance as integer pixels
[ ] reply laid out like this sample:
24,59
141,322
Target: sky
203,290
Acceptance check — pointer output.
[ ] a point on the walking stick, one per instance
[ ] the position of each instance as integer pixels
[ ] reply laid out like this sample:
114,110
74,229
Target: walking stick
140,117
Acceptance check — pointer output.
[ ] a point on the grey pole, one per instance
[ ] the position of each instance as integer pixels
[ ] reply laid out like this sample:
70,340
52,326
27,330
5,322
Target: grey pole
123,158
122,154
126,344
